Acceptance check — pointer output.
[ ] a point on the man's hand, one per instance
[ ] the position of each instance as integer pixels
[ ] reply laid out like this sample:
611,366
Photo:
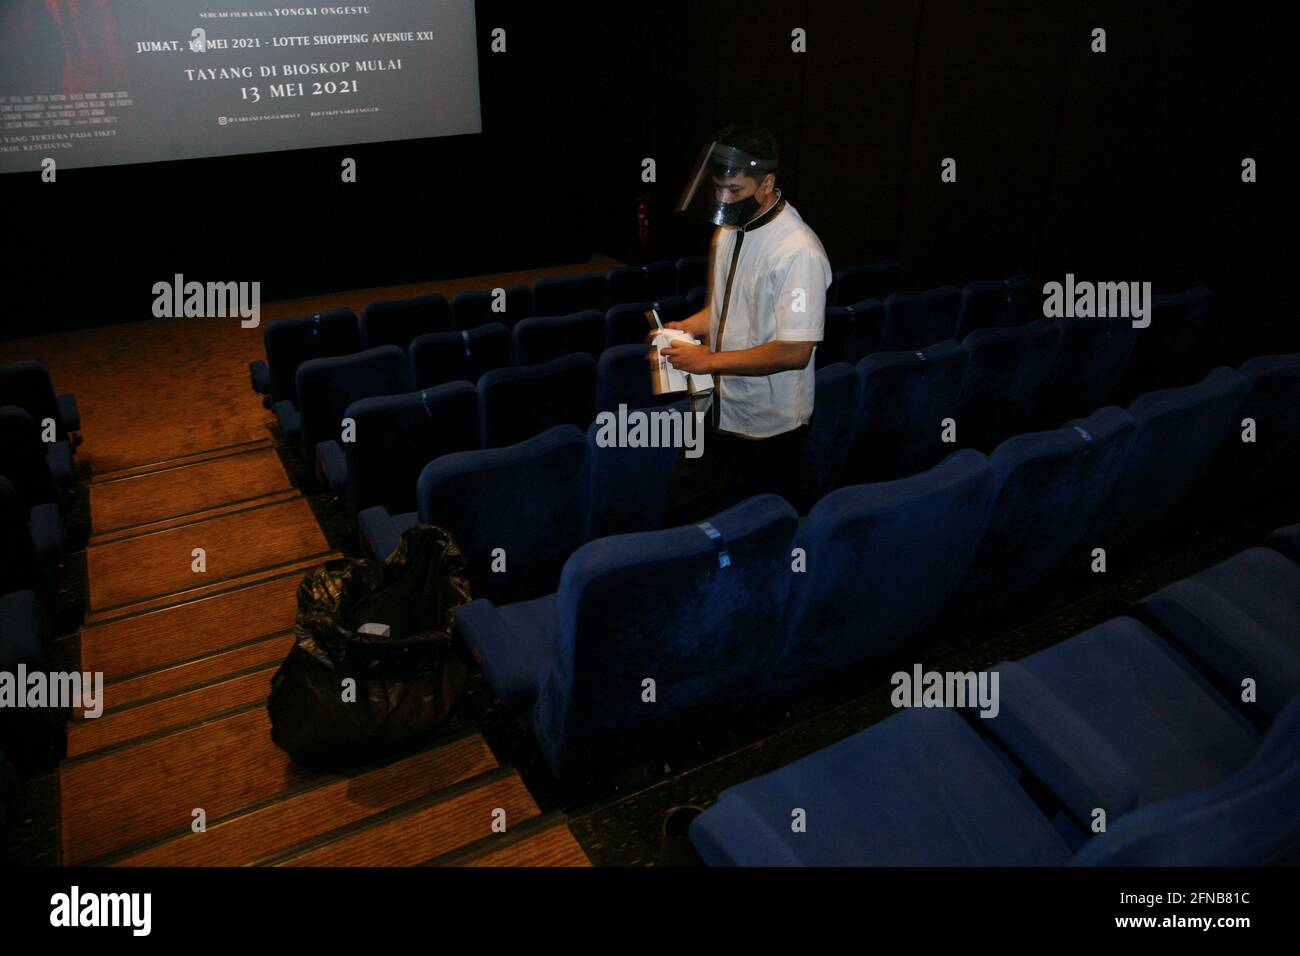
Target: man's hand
696,325
695,359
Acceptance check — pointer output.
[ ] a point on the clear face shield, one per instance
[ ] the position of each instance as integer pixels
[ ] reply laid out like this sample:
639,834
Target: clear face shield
721,176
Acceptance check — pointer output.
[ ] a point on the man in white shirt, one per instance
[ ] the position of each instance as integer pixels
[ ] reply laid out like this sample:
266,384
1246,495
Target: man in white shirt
767,299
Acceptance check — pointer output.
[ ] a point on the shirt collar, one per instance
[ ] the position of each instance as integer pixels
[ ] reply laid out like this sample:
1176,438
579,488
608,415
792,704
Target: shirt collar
766,217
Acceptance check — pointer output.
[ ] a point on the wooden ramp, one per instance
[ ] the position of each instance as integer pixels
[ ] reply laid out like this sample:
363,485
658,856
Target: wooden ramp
187,659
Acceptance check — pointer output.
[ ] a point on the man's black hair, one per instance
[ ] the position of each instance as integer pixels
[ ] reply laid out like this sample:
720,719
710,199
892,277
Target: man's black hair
758,141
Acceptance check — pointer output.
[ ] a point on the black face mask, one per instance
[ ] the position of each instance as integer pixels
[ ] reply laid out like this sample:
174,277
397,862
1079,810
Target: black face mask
735,213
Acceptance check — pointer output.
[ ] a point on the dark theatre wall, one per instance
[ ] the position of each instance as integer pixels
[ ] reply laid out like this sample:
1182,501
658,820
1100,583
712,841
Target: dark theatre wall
1119,166
87,249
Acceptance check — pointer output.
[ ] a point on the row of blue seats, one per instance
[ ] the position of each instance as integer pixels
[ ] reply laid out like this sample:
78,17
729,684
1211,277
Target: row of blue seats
440,357
524,334
39,432
24,636
373,390
28,386
913,320
399,322
1156,734
883,419
880,420
754,604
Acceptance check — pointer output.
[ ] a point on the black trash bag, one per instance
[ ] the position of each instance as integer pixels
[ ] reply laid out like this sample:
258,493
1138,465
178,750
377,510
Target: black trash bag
407,684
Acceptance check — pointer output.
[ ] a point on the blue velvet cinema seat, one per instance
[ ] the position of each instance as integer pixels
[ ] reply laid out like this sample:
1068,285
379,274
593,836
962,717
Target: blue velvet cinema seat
28,385
1164,350
545,338
1094,353
830,433
1248,819
517,403
565,295
623,377
922,788
38,497
693,609
1049,485
469,310
1009,373
836,326
866,330
1268,466
23,629
327,386
1287,540
880,559
41,473
1240,618
399,322
1179,430
629,485
395,437
656,280
915,320
516,512
24,565
856,283
995,304
626,324
528,500
1115,719
290,342
692,272
906,396
441,357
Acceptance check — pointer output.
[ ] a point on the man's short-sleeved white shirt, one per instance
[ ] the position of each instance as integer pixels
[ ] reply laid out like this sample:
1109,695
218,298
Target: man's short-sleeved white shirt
778,294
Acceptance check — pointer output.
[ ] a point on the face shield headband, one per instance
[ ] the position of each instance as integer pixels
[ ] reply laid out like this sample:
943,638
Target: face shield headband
704,197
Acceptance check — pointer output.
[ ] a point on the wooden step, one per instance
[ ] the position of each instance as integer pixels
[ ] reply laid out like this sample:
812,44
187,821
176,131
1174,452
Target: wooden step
295,568
338,801
545,841
153,565
155,638
428,828
187,675
181,460
173,490
178,520
118,798
124,724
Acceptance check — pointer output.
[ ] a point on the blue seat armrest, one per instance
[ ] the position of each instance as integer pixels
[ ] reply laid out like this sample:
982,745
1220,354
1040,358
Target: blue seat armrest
290,420
383,531
259,375
59,457
332,465
46,527
68,412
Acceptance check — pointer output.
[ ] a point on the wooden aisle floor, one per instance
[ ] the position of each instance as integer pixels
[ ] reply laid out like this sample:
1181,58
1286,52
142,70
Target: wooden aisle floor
188,652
